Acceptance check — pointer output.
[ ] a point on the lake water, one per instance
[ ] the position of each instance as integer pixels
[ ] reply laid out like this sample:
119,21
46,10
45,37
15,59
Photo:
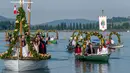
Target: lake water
64,62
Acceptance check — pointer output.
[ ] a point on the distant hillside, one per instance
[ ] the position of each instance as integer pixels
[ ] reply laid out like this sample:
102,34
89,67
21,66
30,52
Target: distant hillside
68,21
2,18
118,19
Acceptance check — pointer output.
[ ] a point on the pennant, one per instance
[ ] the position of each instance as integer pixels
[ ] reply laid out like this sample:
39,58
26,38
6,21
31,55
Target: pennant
15,9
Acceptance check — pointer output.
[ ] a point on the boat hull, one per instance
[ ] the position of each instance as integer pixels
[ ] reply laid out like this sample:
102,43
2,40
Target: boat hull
104,57
24,65
53,42
117,46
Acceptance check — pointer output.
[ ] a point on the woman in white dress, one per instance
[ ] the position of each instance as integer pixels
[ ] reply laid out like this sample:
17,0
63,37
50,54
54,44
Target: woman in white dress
99,50
35,43
24,48
104,49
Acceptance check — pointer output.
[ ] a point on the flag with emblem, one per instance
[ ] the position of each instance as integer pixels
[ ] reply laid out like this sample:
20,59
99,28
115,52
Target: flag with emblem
102,23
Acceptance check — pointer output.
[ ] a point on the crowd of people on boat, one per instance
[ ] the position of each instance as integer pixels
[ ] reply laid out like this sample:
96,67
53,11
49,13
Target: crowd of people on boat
102,49
39,43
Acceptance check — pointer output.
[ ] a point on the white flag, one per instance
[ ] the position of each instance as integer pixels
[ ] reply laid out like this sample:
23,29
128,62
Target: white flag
102,23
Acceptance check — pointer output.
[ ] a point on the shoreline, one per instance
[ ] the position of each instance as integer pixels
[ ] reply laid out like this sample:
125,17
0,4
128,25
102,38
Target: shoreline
80,30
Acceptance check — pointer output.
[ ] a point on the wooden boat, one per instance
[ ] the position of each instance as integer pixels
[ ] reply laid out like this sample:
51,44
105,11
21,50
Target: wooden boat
24,65
104,57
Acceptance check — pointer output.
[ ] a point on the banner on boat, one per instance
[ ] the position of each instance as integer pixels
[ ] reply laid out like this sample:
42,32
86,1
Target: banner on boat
102,23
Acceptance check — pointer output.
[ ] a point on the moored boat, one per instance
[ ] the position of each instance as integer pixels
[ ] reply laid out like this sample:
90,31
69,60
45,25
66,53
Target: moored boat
104,57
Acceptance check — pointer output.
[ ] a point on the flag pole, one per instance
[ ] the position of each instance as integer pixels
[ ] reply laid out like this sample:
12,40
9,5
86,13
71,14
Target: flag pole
104,30
21,5
29,15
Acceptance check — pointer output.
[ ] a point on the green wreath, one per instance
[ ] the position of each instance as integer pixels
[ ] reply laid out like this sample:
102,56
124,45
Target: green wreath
100,36
74,35
57,35
118,36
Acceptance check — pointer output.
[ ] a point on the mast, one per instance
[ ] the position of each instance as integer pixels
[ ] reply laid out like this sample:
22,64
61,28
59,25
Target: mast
29,15
21,5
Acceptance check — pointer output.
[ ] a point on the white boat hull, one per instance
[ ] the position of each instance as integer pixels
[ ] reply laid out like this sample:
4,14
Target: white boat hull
118,46
24,65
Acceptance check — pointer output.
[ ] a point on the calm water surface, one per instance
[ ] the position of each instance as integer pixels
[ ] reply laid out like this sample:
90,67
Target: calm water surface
64,62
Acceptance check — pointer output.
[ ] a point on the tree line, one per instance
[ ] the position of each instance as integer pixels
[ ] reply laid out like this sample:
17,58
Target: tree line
7,25
79,26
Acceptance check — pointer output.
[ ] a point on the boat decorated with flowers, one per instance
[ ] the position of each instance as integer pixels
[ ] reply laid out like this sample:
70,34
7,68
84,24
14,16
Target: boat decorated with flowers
17,61
54,41
119,44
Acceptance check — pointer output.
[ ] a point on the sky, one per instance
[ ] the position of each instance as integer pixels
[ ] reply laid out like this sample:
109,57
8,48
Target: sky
48,10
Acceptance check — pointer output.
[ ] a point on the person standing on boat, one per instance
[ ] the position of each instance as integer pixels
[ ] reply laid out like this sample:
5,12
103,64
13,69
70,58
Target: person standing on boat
36,46
74,42
87,42
78,50
52,38
90,49
104,49
112,41
25,47
42,45
99,50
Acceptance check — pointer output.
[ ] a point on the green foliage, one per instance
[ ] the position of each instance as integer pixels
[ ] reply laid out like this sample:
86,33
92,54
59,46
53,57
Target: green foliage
21,17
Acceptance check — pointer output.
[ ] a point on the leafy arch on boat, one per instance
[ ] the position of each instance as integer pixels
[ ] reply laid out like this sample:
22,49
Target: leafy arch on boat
57,35
100,36
117,34
74,34
42,32
81,33
21,23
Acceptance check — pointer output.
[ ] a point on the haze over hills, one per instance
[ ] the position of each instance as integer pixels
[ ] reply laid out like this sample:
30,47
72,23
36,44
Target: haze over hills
2,18
68,21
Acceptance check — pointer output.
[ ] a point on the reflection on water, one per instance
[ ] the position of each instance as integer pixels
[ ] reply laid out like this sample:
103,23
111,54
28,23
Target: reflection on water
33,71
91,67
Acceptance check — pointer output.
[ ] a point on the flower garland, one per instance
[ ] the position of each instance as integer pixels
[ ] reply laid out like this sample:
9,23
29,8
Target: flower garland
115,33
73,35
57,37
100,36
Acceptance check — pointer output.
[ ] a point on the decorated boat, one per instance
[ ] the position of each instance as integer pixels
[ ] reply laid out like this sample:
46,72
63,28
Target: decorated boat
54,41
13,58
94,57
119,44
